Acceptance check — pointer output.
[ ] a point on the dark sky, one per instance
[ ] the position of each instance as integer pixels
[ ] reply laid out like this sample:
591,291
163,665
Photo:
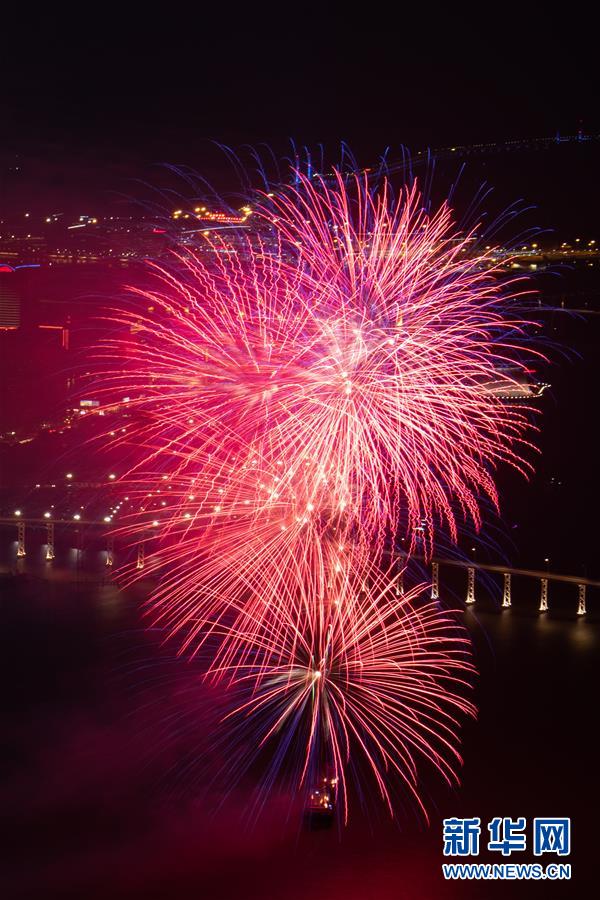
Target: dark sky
95,91
94,77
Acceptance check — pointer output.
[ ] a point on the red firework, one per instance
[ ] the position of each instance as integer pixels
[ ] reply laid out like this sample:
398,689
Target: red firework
294,402
364,671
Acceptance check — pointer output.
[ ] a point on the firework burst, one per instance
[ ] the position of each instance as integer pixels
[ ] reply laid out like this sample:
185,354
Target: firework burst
295,400
361,671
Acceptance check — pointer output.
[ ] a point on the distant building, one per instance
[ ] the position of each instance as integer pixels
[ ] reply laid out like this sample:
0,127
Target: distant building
10,299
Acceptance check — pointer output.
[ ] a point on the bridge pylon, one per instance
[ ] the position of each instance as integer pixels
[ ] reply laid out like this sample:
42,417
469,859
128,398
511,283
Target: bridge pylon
50,541
581,610
435,581
140,556
470,598
110,551
506,594
20,540
543,595
399,586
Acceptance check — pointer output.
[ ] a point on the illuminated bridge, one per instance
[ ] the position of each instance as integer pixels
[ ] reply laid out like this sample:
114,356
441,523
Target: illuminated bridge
473,572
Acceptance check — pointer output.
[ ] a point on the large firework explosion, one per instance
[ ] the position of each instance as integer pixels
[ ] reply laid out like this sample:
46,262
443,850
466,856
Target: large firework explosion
295,401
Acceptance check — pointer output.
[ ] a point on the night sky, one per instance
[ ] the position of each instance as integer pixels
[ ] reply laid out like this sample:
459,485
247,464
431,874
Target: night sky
91,96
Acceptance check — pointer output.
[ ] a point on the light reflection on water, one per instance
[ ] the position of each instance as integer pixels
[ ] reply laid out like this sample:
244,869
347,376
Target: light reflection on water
89,560
491,629
73,629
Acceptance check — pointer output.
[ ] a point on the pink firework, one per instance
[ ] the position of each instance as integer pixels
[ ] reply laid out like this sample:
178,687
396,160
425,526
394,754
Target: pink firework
295,401
364,673
350,355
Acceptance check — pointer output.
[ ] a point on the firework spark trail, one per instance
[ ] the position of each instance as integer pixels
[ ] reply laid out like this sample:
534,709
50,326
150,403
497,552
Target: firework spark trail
291,406
384,677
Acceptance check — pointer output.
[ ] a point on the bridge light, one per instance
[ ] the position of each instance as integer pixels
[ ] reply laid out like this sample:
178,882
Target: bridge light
17,512
77,517
47,515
